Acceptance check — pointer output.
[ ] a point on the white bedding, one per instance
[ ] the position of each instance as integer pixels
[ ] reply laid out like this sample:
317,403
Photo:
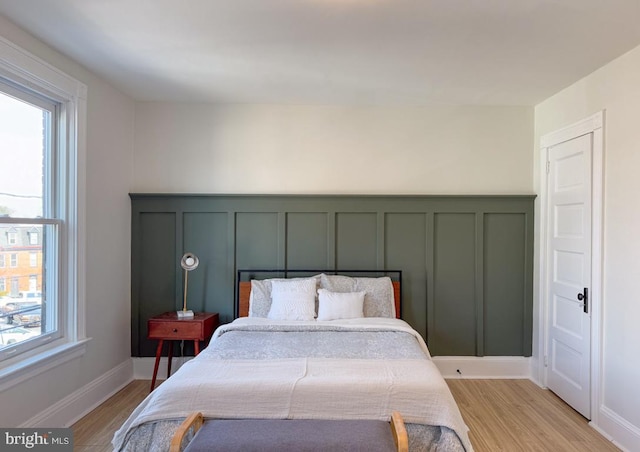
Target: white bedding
363,323
305,388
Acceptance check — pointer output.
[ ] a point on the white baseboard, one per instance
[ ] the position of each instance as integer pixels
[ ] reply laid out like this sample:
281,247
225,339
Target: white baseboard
612,425
536,372
79,403
143,367
508,367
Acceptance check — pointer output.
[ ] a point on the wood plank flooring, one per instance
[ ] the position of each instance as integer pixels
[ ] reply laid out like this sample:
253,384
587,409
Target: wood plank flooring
503,415
93,433
517,415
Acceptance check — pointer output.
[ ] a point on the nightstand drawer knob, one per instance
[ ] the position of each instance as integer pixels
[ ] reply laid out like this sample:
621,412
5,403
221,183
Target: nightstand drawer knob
175,330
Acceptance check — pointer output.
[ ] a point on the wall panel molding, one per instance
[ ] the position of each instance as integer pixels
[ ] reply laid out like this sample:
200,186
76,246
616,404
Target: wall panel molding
467,260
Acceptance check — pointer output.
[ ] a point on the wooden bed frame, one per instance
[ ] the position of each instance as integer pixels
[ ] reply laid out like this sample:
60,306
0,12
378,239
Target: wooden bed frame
244,287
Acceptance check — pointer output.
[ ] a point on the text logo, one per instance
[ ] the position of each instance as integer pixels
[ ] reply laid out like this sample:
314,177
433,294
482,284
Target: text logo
36,439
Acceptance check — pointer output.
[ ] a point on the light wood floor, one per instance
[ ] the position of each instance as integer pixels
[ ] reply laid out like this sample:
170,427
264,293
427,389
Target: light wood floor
503,415
517,415
93,433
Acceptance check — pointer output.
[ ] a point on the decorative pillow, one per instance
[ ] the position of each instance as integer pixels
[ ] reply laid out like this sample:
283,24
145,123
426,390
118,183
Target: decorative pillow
340,305
337,283
293,299
378,299
260,297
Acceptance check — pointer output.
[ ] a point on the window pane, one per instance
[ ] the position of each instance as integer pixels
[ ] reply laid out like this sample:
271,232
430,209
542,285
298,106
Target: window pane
23,140
25,310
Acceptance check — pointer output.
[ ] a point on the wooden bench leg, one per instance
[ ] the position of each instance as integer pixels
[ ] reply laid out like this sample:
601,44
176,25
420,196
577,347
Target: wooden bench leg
195,420
399,431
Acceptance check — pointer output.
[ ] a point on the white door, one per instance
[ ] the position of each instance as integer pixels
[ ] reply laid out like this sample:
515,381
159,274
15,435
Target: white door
569,271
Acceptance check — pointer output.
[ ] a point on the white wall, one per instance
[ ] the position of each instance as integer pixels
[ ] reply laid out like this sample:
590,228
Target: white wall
201,148
110,120
614,88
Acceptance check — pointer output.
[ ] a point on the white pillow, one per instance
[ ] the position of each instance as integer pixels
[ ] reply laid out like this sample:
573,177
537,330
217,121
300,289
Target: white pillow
336,305
293,299
378,300
260,297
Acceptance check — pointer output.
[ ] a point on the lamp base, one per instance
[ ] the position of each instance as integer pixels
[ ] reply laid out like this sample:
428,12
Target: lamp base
184,315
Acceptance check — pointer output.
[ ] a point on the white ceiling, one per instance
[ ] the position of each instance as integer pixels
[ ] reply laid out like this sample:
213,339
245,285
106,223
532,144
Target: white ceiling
380,52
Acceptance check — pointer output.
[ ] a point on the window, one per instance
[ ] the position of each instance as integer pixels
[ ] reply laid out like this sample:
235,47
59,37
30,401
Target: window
42,129
28,149
2,264
33,283
3,286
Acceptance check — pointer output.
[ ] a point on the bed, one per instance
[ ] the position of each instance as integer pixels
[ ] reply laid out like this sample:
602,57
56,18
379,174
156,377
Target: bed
308,346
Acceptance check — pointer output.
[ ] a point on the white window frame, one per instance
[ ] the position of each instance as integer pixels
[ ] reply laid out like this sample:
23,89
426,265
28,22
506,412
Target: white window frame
3,285
12,238
33,259
13,260
33,238
2,260
21,68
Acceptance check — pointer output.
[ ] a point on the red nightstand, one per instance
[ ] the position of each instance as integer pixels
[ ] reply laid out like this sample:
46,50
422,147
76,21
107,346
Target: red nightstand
167,327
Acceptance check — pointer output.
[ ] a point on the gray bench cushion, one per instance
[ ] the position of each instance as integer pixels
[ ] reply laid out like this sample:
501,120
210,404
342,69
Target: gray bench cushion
261,435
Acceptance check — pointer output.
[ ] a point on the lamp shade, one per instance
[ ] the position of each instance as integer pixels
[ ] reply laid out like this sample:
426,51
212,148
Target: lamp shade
189,261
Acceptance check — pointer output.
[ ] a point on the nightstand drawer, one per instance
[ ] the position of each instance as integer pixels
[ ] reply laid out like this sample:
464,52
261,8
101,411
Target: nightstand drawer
167,326
179,329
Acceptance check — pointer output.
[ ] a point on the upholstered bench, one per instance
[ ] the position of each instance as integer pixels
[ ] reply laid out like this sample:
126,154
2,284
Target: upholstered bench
259,435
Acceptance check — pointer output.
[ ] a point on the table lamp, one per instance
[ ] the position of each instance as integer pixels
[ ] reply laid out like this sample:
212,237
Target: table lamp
188,262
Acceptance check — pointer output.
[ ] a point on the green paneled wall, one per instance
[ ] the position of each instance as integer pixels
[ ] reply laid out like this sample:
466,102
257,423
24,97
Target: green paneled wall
454,303
307,239
356,240
466,260
153,273
405,241
502,233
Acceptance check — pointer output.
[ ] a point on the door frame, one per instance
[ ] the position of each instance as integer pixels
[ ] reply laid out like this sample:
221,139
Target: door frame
595,125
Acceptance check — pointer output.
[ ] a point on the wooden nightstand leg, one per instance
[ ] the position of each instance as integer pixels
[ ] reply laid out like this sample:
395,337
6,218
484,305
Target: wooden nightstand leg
196,347
169,358
155,367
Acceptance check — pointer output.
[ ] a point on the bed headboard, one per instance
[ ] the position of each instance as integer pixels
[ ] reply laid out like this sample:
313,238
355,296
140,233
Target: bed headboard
243,283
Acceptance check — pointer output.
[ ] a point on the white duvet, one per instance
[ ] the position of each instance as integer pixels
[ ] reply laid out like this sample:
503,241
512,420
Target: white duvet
305,388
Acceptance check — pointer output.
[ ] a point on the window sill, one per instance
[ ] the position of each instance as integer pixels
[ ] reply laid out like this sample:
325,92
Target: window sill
32,366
